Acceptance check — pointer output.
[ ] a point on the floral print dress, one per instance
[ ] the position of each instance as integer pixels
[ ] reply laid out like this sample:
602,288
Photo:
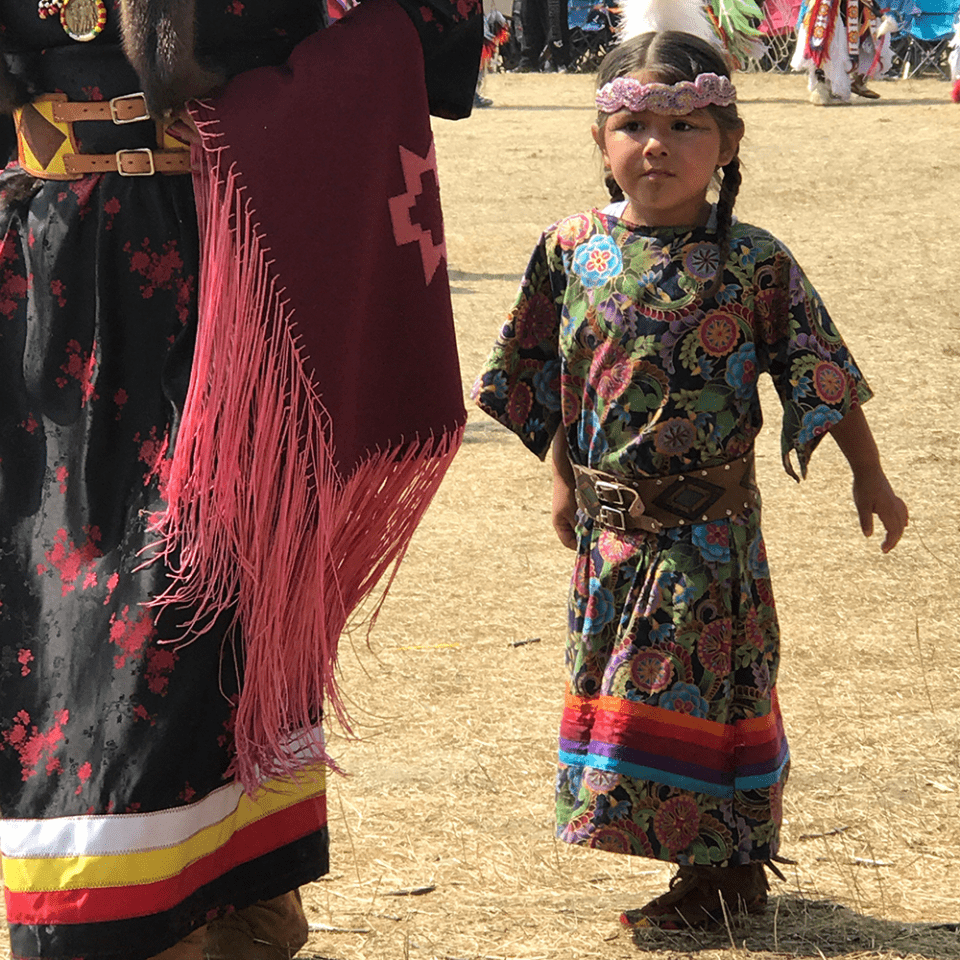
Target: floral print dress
671,741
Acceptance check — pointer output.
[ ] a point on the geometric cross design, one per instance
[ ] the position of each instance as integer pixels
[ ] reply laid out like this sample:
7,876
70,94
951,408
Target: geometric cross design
402,206
43,138
690,498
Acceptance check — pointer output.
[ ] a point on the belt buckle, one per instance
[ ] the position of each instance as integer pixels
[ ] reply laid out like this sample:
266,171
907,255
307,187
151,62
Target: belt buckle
145,173
128,96
610,492
617,504
613,517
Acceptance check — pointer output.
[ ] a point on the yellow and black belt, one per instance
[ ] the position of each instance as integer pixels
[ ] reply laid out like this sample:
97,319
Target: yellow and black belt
49,148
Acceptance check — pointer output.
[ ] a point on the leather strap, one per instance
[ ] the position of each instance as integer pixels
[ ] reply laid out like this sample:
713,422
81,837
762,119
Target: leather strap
127,109
49,149
141,162
700,496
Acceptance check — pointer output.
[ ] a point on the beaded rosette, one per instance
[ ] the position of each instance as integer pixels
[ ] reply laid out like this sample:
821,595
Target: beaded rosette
82,20
627,93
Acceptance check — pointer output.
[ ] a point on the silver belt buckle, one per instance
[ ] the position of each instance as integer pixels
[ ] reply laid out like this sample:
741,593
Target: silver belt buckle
613,517
128,96
610,492
145,173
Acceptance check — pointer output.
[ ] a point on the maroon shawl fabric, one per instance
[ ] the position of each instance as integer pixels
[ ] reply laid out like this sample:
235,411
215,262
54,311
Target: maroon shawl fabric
326,399
328,147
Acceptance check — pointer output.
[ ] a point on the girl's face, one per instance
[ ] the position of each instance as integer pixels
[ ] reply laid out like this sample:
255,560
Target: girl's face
664,163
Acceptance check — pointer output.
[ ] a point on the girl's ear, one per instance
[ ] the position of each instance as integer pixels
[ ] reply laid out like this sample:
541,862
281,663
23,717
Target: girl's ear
730,145
598,140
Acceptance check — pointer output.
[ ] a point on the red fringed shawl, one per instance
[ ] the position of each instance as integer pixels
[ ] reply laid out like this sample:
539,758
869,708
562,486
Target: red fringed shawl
325,401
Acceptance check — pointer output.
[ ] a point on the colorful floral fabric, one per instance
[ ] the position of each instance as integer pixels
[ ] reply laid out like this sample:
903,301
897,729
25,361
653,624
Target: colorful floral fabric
671,743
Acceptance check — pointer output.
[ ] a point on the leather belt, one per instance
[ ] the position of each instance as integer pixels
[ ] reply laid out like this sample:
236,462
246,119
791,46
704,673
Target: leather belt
651,504
48,147
137,162
130,108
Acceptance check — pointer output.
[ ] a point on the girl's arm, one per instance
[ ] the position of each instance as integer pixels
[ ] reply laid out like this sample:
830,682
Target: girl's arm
872,493
564,507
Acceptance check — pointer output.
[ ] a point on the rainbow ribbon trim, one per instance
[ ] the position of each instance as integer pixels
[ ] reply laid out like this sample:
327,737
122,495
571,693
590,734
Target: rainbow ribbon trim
674,748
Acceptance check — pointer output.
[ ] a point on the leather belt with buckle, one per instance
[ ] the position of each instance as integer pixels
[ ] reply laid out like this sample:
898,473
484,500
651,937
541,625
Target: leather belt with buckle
130,108
136,162
653,503
48,147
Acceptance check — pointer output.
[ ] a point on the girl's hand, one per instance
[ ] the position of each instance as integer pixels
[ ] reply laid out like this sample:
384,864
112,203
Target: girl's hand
564,511
872,494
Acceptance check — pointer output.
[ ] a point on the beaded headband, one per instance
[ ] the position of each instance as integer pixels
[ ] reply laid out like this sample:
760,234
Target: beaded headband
708,89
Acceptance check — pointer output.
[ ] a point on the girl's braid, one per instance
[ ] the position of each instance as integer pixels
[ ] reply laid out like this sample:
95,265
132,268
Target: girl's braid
616,192
729,188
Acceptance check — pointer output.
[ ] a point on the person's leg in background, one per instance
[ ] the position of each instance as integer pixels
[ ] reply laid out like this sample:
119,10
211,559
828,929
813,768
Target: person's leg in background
558,35
534,17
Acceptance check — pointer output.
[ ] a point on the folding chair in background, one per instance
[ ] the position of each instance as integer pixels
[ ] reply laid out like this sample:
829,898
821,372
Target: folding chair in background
922,44
592,25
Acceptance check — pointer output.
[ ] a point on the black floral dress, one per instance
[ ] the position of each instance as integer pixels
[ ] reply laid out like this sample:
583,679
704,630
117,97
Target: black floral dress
122,830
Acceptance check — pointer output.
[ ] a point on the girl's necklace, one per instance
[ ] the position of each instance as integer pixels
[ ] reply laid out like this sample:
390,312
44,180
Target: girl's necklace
81,20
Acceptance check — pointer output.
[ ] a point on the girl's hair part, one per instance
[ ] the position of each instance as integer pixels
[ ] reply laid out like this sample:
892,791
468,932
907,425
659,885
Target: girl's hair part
671,57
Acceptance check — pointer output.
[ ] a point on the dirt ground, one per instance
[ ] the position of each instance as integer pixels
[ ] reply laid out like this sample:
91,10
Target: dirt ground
442,838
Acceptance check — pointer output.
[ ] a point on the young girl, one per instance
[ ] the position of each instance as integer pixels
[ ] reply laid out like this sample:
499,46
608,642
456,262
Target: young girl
635,346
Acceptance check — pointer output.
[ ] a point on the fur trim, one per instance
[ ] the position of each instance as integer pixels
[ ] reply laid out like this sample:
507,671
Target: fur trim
12,92
158,39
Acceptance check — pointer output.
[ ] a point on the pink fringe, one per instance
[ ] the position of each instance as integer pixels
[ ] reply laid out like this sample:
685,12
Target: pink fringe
260,526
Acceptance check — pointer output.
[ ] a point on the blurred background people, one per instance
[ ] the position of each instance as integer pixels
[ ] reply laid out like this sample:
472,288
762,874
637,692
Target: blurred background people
841,44
544,36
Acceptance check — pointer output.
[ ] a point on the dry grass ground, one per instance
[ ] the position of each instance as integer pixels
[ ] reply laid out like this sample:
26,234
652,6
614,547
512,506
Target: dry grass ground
442,840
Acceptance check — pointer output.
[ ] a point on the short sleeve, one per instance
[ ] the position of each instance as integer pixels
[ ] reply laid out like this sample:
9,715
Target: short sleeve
520,383
797,343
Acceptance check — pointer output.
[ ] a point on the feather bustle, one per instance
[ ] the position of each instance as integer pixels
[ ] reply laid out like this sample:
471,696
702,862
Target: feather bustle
656,16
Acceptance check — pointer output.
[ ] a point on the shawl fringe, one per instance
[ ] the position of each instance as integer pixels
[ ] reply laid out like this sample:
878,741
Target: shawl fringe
260,526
